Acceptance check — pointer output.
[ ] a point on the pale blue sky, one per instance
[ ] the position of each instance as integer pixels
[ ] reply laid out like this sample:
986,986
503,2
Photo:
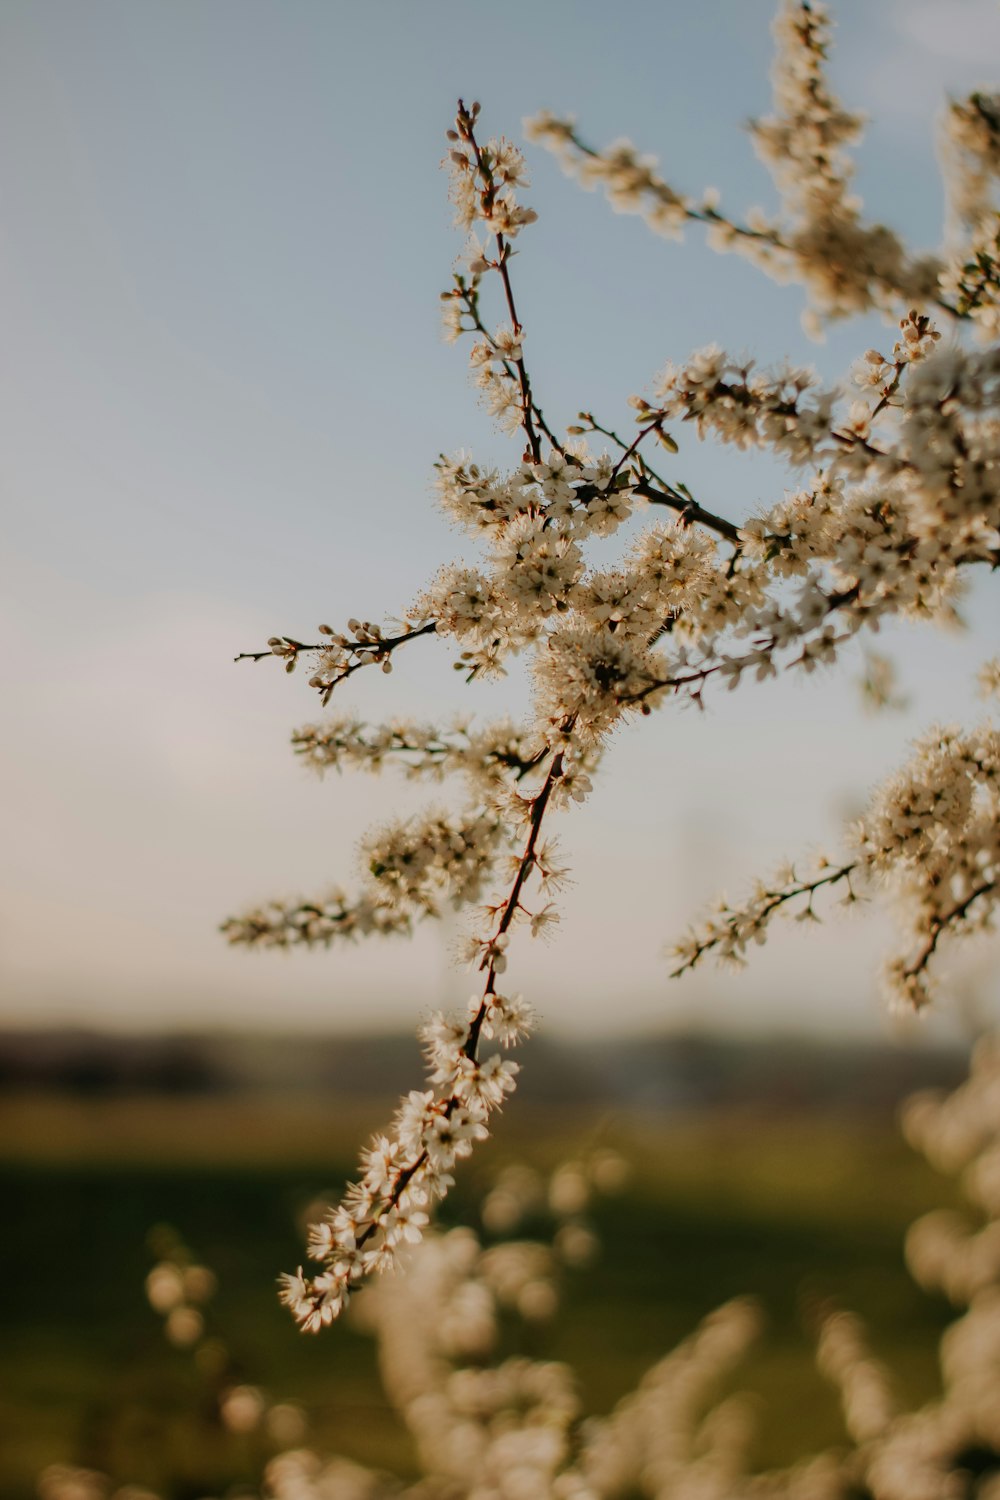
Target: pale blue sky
222,235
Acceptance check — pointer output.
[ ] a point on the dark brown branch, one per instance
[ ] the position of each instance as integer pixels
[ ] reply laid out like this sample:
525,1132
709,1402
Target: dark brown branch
470,297
688,509
471,1047
939,925
503,252
773,901
287,649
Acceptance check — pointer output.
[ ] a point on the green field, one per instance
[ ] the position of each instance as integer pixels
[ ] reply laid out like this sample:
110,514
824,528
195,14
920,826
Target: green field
793,1210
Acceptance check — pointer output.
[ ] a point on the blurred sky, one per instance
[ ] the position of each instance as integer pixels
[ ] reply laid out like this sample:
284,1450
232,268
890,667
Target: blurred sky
223,235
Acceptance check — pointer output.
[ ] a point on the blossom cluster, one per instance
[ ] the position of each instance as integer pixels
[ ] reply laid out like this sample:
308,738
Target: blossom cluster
406,1172
483,755
820,239
483,1423
931,836
971,148
489,1425
892,505
178,1289
313,923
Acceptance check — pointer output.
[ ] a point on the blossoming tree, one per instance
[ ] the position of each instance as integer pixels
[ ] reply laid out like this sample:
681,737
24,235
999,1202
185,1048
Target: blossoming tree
895,502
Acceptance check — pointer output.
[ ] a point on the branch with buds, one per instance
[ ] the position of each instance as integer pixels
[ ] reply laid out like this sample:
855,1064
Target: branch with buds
893,498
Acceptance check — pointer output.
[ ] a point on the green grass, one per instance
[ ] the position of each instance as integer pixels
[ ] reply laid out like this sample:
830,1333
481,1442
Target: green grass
796,1212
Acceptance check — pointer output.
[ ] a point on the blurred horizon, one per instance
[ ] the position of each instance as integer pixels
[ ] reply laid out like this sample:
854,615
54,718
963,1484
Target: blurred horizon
672,1073
741,1169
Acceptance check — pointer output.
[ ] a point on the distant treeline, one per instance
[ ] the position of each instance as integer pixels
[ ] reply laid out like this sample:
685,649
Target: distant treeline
660,1074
